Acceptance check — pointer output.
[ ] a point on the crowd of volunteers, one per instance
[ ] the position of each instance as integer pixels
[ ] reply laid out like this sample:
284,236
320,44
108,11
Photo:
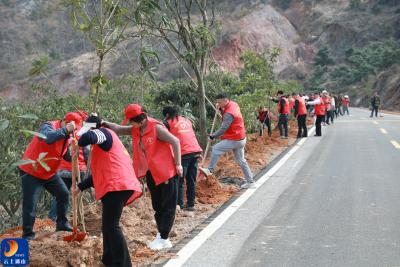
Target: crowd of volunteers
165,153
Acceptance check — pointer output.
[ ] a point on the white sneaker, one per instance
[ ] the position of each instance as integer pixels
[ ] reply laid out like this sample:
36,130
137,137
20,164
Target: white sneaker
206,171
158,236
160,244
247,185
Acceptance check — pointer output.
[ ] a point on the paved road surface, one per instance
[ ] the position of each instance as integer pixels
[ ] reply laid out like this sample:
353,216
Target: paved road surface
335,202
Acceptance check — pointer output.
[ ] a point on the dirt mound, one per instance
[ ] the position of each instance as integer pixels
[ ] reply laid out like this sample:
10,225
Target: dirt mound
210,191
40,225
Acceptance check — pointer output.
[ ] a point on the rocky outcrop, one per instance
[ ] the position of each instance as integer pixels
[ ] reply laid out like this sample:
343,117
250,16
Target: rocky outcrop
261,29
388,85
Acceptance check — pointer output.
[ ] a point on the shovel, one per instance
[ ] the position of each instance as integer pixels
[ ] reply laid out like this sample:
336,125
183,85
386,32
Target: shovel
200,173
76,234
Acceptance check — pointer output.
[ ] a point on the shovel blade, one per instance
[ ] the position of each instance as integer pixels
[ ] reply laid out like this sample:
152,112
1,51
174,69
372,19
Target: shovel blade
75,236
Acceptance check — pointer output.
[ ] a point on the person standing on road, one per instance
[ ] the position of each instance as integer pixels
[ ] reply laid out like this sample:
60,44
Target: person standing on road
35,177
156,156
182,129
346,104
319,108
115,184
233,135
375,104
327,101
300,112
332,108
283,110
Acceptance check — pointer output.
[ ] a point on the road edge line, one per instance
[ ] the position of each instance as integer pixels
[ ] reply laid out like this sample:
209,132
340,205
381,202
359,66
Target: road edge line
193,245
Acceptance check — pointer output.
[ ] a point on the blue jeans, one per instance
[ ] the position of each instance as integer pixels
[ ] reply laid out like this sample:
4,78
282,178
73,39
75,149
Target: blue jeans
32,188
238,149
66,177
189,173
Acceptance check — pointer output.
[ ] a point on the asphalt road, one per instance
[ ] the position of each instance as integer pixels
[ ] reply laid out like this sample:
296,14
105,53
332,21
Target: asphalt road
335,202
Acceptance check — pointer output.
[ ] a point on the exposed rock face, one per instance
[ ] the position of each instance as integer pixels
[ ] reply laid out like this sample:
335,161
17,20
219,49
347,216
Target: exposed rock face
261,29
388,86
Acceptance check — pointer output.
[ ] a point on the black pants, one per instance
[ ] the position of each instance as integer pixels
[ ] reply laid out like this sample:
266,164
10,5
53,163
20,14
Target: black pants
32,188
318,121
329,116
283,125
302,126
164,198
376,109
189,174
267,123
115,249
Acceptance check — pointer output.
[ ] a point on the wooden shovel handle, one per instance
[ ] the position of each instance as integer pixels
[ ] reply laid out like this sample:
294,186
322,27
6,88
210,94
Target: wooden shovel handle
75,174
209,141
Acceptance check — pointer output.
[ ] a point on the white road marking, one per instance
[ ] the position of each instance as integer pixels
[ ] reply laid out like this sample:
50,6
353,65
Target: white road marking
184,254
375,122
395,144
383,131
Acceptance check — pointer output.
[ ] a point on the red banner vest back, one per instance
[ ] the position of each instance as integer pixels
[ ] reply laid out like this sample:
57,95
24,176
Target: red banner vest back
158,154
183,130
112,170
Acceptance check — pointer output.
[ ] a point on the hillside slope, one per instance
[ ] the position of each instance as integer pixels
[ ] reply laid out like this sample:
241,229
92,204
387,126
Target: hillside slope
299,27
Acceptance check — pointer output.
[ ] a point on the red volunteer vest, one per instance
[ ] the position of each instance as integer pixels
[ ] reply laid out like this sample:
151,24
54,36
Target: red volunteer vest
237,130
291,102
302,106
262,115
320,108
66,165
286,108
54,151
345,102
112,170
183,130
158,154
327,101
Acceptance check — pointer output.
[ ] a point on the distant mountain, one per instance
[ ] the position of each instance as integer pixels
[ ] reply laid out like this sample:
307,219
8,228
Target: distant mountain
30,28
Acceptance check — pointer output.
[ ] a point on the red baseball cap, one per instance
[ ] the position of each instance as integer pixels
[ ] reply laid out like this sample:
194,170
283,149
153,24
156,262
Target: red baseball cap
132,111
73,116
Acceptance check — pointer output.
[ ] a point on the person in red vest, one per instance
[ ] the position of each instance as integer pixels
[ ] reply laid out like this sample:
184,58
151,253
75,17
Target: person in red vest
263,118
233,135
328,106
156,156
300,112
182,129
319,108
115,184
64,169
284,111
43,174
345,104
292,99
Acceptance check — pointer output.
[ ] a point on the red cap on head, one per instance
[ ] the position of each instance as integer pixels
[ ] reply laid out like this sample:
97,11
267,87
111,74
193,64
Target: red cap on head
83,114
131,111
73,116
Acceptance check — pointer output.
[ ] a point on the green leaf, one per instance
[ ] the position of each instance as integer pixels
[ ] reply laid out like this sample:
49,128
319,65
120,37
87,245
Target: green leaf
27,133
23,162
28,116
44,165
4,124
42,155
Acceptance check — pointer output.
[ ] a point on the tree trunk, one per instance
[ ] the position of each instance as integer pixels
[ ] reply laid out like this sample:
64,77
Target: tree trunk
202,109
99,72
